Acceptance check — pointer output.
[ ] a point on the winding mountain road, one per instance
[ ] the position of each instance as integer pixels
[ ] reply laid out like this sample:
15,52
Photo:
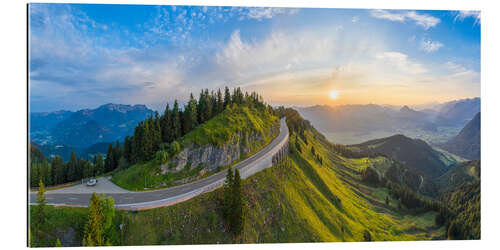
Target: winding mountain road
127,200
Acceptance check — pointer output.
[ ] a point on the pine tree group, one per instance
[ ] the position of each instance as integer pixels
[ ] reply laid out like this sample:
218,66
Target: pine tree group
157,133
160,132
233,203
57,172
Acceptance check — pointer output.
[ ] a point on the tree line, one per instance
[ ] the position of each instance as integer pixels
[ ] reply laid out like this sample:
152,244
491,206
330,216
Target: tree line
155,137
162,132
56,171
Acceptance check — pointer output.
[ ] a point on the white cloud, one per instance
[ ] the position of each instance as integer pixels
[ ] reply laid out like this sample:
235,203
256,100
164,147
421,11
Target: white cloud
383,14
424,20
268,13
454,66
79,70
401,62
460,72
463,14
355,19
430,46
238,58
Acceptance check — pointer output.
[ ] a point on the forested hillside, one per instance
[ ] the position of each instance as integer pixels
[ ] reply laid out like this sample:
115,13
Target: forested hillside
158,137
413,153
468,142
315,194
231,136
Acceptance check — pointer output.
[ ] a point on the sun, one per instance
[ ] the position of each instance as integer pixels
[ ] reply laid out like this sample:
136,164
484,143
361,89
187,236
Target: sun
334,94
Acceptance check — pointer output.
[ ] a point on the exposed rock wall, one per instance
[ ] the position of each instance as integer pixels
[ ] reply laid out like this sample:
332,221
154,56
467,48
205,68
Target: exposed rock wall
241,145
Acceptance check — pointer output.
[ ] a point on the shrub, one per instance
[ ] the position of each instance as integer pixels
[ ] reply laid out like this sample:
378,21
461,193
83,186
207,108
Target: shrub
175,148
370,175
161,157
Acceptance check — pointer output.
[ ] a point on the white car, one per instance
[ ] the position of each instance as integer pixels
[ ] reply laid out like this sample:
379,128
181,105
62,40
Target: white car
92,182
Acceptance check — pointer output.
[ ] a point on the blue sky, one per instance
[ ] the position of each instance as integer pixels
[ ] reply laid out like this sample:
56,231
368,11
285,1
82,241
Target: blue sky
82,56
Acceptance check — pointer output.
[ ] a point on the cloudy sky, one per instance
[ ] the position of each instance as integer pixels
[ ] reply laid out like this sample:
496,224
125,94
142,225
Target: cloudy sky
83,56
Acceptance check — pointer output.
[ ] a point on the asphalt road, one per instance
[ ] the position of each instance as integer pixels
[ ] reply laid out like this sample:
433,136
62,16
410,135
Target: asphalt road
165,197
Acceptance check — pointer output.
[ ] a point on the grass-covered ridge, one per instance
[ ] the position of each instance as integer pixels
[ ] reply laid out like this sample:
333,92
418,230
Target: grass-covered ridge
235,122
315,195
232,121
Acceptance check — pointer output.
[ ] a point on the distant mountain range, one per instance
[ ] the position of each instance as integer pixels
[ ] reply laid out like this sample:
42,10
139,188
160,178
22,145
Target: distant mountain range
60,131
468,142
459,112
348,124
419,166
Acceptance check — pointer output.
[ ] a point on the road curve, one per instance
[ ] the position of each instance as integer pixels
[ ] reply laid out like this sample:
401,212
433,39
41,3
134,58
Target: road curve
169,196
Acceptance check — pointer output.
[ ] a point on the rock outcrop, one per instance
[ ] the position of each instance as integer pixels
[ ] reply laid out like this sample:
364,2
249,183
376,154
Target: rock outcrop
211,157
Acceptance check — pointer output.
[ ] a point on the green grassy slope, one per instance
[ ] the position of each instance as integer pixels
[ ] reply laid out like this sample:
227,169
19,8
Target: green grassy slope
299,200
233,121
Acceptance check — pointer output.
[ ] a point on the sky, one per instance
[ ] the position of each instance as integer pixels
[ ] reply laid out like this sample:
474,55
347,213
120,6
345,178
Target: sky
83,56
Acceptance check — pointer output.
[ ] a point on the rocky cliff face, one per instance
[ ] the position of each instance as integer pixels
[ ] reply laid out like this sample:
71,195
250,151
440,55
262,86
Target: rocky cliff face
210,157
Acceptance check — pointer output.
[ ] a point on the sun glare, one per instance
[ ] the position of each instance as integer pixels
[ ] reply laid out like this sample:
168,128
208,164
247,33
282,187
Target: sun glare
334,94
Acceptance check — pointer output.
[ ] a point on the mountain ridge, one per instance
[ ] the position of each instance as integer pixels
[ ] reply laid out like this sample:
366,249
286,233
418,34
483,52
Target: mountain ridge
351,124
468,141
85,127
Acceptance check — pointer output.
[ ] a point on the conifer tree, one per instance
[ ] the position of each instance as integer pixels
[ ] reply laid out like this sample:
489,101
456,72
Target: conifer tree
138,141
58,243
228,194
176,121
58,172
88,170
101,214
213,104
93,234
71,167
35,175
202,103
148,139
45,173
238,219
117,154
367,236
98,164
127,148
205,106
166,125
297,145
190,117
40,211
108,163
157,139
227,97
220,102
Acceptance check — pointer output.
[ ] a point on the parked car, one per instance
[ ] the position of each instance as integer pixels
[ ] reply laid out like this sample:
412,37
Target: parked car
92,182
